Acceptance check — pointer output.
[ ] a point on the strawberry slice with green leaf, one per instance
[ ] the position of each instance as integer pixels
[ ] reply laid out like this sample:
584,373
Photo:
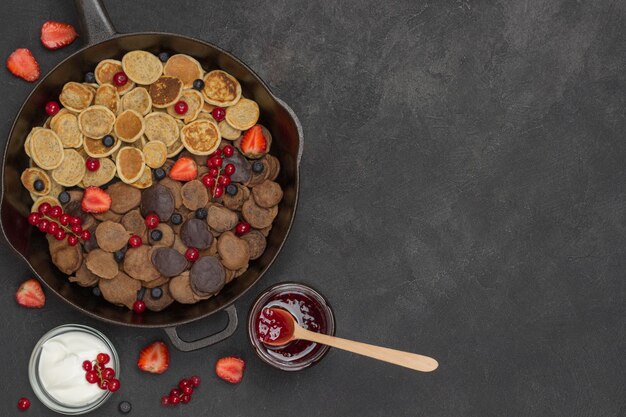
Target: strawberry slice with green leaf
23,64
55,35
154,358
184,169
30,294
95,200
230,369
254,144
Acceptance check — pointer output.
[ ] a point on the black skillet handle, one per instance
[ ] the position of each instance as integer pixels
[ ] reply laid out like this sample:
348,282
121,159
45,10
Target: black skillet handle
95,23
228,331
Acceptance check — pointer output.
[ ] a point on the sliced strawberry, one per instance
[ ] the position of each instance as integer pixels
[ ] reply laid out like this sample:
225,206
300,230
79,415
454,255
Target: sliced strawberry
23,64
185,169
230,369
154,358
30,294
95,200
55,35
253,144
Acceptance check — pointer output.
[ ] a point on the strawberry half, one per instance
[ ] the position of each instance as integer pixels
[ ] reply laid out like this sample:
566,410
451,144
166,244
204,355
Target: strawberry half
23,64
184,169
55,35
30,294
253,144
154,358
230,369
95,200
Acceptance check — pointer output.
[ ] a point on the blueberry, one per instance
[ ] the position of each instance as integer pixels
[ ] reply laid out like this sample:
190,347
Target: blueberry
164,56
96,291
64,197
90,78
198,84
125,407
108,141
258,167
119,256
201,213
141,293
156,293
156,235
176,218
159,173
38,185
232,189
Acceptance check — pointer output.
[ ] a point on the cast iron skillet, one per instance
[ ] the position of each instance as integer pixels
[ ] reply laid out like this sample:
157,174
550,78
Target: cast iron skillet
104,42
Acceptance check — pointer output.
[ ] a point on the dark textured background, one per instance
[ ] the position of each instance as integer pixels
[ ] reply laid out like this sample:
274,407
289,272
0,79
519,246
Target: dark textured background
463,195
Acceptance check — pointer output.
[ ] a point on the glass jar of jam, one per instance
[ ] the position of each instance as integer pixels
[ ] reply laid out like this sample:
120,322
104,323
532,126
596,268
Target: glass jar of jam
310,310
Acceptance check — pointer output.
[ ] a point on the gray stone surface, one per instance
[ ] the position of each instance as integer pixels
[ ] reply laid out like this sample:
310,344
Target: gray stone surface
463,190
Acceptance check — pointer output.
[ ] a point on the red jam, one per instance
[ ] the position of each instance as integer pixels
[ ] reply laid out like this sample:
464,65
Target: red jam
270,326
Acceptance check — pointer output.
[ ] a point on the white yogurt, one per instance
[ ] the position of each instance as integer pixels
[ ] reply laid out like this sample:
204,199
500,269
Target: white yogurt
60,367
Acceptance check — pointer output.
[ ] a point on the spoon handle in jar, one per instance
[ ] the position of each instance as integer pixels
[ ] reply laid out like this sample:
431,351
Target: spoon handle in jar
397,357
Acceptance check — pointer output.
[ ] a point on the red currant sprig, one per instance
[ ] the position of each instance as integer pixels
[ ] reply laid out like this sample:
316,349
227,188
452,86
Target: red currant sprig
219,174
98,373
51,219
182,393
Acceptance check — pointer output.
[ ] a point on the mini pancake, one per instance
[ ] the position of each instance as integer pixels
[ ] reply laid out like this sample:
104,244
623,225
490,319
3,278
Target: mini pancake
121,290
165,91
102,264
130,164
155,153
66,128
145,181
137,264
124,197
137,99
228,132
256,243
194,101
243,115
207,276
221,89
201,137
162,127
104,174
84,277
167,236
169,262
96,149
195,233
27,142
30,175
46,149
96,121
235,202
258,217
174,149
56,117
107,96
175,188
207,108
111,236
221,219
194,195
76,97
274,167
129,126
233,251
71,171
134,222
267,194
65,257
106,69
156,283
159,304
180,288
108,215
243,169
142,67
159,200
183,67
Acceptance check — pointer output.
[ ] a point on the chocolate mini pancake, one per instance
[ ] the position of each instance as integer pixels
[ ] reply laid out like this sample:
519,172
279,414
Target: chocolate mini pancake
65,257
111,236
108,215
66,128
46,149
162,127
169,262
121,290
84,277
227,131
194,195
178,245
201,137
155,153
30,175
167,236
243,171
107,96
221,89
129,126
195,233
142,67
180,288
159,304
137,99
243,115
256,243
165,91
258,217
130,164
96,121
266,230
159,200
207,276
183,67
97,149
234,202
274,167
134,223
156,283
106,69
103,175
145,181
221,219
137,264
267,194
76,97
211,250
102,264
175,187
124,197
71,171
233,251
257,178
194,101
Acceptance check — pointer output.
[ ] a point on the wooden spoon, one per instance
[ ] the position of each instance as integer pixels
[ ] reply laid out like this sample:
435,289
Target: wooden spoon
290,330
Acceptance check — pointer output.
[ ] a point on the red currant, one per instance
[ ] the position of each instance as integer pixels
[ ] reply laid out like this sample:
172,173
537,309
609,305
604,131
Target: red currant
33,218
218,152
135,241
192,254
165,400
218,113
174,400
92,377
213,172
218,192
242,228
228,151
229,169
72,240
114,385
103,358
104,384
195,381
52,228
64,219
217,161
60,234
43,225
223,180
185,399
85,235
206,179
77,228
44,208
139,306
183,383
152,220
188,390
75,220
211,183
120,78
52,108
92,164
108,373
175,392
23,404
87,366
55,211
181,107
